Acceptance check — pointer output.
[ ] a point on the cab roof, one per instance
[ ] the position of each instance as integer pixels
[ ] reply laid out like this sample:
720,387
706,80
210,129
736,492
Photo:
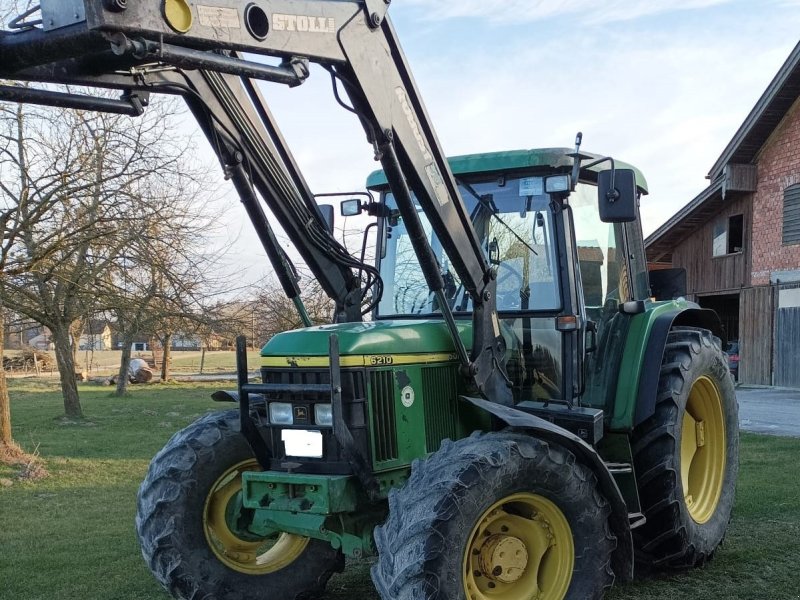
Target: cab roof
511,160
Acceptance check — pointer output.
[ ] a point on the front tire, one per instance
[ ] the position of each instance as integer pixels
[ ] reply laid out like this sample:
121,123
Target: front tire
184,515
687,454
496,516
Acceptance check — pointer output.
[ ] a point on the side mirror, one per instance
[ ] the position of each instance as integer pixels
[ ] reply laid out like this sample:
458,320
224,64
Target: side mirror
616,195
327,212
350,208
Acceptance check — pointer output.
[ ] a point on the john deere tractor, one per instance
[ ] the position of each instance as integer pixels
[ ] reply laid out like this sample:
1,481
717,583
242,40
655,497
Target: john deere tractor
506,405
619,443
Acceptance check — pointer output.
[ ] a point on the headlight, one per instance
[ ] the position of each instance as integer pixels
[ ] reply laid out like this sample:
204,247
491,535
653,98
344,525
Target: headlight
323,414
280,413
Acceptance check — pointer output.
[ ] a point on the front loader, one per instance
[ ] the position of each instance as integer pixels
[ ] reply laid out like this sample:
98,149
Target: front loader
499,407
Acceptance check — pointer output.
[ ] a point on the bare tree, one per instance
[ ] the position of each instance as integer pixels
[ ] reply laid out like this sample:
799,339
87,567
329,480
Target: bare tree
170,271
161,282
9,450
272,312
80,188
7,444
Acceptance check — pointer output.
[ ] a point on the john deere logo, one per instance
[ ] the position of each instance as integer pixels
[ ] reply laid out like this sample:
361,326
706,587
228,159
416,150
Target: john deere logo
300,413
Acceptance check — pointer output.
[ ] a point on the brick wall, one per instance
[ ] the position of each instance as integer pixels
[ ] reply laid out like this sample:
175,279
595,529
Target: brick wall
778,168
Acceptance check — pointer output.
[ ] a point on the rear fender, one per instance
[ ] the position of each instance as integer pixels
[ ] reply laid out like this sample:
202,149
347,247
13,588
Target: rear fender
622,559
225,396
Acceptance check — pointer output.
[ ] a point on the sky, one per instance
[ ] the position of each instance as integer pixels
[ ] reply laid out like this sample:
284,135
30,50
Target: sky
661,84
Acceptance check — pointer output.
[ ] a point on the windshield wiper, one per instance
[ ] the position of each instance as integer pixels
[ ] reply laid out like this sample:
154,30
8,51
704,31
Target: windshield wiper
487,205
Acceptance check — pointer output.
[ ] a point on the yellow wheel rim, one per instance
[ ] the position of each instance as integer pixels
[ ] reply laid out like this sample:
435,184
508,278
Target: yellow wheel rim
520,549
703,448
253,556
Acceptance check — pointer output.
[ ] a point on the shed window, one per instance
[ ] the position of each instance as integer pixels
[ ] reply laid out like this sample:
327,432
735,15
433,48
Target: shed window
791,214
735,233
728,235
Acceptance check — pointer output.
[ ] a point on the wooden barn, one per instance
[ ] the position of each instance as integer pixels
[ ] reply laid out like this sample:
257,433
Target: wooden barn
739,239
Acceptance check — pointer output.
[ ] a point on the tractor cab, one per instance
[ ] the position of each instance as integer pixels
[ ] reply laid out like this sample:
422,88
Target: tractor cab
561,271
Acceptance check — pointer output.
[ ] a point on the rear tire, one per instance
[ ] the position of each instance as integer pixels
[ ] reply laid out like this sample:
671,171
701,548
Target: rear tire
687,454
182,526
476,502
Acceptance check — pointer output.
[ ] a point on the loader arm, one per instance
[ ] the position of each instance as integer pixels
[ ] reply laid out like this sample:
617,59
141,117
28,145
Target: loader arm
202,52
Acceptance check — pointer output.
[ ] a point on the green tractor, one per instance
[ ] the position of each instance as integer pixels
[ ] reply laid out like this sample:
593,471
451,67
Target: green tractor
621,442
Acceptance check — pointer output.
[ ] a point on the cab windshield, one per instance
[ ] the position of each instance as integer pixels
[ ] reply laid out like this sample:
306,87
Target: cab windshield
514,222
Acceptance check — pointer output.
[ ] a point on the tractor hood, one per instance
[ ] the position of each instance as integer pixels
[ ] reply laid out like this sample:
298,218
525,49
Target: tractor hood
366,344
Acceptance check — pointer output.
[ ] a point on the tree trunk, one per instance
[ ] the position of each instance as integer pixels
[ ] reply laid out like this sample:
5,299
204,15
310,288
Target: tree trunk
74,338
5,403
202,358
124,365
166,356
66,371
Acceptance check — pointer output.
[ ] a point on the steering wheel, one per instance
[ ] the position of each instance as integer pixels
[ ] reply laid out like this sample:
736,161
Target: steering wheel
413,300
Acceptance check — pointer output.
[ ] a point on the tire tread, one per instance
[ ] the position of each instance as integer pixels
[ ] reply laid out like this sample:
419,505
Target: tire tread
664,542
411,545
171,477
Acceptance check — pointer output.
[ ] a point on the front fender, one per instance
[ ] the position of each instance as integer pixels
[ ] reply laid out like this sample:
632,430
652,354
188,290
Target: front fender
622,559
233,396
650,372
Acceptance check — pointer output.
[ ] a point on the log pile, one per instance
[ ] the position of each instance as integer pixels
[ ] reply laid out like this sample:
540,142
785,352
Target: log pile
29,359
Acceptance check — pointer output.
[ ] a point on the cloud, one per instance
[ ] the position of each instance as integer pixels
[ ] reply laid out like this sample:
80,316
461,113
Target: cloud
588,11
666,96
667,100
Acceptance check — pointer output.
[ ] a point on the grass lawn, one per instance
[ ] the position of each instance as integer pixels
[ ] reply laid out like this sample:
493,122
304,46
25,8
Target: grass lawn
71,535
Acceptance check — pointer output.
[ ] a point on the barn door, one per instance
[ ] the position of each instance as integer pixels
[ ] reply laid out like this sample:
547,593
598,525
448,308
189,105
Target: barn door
787,347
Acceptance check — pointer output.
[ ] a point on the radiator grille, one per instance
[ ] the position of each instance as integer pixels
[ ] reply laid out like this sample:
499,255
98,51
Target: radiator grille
352,383
440,388
384,426
354,405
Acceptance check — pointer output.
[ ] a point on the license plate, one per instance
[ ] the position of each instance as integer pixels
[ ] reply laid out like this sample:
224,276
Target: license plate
302,443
